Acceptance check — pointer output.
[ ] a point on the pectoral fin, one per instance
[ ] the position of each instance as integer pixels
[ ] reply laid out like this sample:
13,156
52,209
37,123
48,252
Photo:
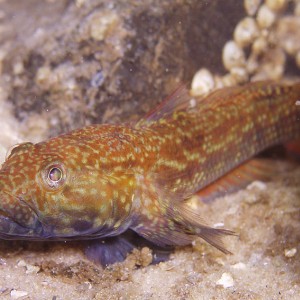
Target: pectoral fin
168,223
111,250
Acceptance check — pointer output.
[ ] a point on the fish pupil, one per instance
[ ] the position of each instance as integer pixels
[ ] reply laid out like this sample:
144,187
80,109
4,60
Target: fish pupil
55,174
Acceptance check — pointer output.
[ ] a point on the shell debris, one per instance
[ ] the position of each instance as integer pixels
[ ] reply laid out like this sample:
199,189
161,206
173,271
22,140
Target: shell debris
226,281
290,252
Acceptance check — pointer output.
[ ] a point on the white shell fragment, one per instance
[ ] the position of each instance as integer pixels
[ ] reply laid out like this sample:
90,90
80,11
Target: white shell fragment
239,266
202,83
257,185
226,281
290,252
265,17
15,294
246,31
233,56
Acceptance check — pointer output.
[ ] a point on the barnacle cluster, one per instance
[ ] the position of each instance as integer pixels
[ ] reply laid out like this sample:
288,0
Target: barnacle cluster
262,41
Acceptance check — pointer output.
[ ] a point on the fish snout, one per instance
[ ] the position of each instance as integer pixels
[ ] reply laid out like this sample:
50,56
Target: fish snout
17,219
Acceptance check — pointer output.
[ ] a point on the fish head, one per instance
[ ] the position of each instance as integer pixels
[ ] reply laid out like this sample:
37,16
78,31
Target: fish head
58,190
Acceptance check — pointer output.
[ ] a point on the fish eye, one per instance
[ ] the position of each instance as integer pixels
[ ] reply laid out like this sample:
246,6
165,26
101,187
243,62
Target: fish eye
54,175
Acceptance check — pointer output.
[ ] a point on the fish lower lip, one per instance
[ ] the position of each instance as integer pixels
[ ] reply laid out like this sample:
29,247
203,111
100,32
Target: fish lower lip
9,229
12,230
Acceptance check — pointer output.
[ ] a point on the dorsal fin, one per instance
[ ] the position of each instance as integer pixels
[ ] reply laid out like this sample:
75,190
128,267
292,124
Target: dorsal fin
180,99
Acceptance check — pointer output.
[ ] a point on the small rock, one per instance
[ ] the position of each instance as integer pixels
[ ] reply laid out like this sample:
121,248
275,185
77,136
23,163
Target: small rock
233,55
276,5
251,6
239,266
101,24
226,281
257,185
202,82
15,294
32,269
288,34
265,17
246,32
18,68
21,263
290,252
259,45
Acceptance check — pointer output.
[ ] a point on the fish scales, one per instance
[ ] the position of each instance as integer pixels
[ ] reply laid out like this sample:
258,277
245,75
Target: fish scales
240,121
102,180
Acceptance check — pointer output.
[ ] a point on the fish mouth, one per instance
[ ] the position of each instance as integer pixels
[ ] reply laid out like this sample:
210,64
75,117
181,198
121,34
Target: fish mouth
12,230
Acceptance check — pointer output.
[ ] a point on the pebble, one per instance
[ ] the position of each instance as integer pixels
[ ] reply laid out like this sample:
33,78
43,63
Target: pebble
239,266
290,252
233,56
18,68
101,24
32,269
251,6
252,64
43,74
246,32
257,185
288,34
15,294
21,263
276,5
29,268
265,17
259,45
226,281
202,82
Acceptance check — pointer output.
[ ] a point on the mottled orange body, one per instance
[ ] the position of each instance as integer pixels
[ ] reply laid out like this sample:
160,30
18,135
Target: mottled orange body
101,180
